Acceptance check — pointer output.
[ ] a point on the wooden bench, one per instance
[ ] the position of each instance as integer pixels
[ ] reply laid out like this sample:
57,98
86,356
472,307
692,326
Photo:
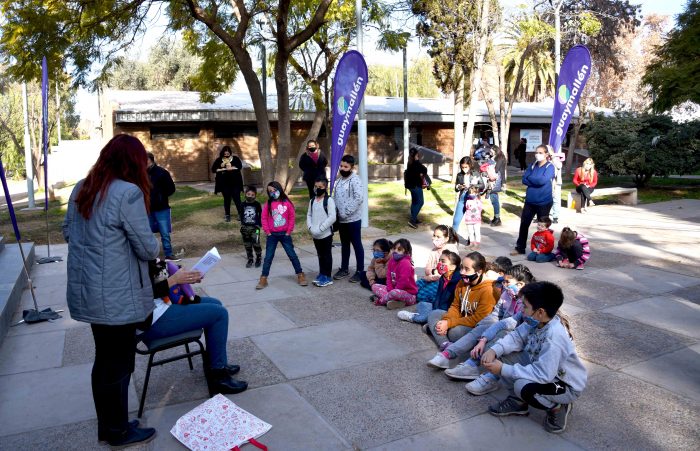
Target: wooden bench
627,196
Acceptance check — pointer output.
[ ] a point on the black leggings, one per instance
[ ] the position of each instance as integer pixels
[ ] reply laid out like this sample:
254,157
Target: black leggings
234,194
551,389
324,250
351,232
585,193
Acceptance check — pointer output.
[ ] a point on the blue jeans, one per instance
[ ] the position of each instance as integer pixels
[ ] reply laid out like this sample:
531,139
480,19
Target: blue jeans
210,315
351,232
540,258
160,220
459,211
416,202
423,309
271,247
495,202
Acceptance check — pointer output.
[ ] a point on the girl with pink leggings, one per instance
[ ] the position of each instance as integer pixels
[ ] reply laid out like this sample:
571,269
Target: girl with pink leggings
400,289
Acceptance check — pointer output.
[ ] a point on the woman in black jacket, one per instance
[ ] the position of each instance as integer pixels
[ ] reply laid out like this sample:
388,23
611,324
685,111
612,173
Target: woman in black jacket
313,165
229,180
415,174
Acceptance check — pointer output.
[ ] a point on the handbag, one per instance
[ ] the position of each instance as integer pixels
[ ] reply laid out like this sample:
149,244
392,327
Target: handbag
219,425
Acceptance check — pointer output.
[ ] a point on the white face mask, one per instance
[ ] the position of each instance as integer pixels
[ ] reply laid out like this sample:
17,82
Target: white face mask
540,156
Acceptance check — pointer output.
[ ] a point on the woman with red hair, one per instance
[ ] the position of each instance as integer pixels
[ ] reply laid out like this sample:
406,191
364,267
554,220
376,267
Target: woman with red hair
109,246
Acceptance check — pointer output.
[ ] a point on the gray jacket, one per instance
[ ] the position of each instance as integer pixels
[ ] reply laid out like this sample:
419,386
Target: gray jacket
348,195
108,255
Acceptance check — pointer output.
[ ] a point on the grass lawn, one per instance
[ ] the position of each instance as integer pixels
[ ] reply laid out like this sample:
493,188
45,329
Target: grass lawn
198,216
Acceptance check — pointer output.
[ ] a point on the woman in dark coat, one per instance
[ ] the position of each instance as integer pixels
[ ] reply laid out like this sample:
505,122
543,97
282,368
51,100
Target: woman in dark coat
415,174
229,180
313,164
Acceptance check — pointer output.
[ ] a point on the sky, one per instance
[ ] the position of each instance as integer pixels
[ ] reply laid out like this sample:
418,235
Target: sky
87,102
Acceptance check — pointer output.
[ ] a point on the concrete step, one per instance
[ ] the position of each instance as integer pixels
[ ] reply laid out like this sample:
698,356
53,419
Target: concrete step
13,281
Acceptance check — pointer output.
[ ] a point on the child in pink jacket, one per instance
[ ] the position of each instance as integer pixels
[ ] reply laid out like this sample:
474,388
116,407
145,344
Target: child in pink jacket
278,225
400,289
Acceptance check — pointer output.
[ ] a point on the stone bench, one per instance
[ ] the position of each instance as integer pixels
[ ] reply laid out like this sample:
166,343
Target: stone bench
627,196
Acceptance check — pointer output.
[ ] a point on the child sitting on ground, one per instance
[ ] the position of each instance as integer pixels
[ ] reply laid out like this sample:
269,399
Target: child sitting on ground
449,278
573,250
400,289
507,306
444,238
542,243
376,271
539,364
496,269
250,226
472,217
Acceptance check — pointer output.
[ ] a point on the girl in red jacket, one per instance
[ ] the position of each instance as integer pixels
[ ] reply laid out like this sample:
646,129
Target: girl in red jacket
278,224
542,243
400,289
585,179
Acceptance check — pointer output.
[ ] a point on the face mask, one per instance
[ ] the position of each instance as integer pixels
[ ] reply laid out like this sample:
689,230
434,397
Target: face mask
470,278
441,268
250,198
378,254
438,242
397,256
345,173
319,191
275,194
540,156
311,149
532,322
512,289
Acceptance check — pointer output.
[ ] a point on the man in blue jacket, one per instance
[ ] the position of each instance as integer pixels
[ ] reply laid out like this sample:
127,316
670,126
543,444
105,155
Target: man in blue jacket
538,197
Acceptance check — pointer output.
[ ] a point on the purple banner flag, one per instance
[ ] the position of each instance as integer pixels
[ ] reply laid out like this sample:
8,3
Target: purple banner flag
573,74
45,127
348,88
8,199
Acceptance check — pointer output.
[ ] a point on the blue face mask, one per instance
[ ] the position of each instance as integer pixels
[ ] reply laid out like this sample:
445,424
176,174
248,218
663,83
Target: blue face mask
378,254
512,289
275,194
532,322
397,256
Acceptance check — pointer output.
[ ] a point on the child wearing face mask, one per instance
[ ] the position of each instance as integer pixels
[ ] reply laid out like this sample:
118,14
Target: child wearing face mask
446,285
472,217
538,360
400,289
507,305
376,271
320,218
444,238
250,226
278,225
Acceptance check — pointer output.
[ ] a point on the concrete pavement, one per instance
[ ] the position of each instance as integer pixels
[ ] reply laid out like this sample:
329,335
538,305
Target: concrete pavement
331,371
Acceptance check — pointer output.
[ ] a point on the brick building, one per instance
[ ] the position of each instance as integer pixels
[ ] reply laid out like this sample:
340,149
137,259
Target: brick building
186,135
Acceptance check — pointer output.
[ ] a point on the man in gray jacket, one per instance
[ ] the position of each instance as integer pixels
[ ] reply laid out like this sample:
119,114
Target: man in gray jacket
348,195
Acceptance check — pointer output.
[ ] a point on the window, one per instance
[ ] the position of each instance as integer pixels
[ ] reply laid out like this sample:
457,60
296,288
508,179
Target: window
235,131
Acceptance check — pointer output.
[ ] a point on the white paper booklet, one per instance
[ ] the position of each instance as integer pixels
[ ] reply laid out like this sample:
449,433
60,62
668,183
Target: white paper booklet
207,262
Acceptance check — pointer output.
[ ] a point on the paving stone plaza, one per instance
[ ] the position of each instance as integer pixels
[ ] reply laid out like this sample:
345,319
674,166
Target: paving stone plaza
330,371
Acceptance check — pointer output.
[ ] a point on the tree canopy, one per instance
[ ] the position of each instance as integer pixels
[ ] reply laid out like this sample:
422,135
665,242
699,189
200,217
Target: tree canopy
674,76
387,81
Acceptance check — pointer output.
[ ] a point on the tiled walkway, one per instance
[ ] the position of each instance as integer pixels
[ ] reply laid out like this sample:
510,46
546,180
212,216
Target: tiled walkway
330,371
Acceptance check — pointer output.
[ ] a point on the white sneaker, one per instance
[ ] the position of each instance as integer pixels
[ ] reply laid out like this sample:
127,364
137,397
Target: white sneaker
405,315
439,361
482,385
463,372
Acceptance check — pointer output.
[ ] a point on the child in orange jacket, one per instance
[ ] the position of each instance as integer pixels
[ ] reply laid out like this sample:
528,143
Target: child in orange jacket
542,243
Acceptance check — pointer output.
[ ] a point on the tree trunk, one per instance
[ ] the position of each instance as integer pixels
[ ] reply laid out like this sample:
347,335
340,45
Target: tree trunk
492,116
458,128
476,74
284,127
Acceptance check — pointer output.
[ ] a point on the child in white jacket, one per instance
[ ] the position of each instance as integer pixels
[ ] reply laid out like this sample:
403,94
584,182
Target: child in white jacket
319,220
539,364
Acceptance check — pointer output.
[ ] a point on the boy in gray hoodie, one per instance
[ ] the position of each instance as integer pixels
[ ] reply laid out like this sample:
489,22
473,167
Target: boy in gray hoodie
539,364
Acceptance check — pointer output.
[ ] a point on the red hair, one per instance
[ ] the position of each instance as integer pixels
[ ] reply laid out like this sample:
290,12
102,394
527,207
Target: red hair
125,158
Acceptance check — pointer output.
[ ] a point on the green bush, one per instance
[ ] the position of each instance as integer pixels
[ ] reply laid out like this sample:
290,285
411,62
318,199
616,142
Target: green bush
643,145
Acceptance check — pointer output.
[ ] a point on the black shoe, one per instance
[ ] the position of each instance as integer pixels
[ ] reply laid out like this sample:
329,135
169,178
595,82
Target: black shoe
555,421
355,277
418,221
250,263
412,225
496,222
131,437
102,436
232,369
509,406
258,262
227,218
219,381
555,221
341,274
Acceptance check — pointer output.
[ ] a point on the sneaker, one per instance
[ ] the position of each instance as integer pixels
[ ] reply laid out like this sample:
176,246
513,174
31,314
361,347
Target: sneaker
463,372
393,305
555,421
482,385
132,436
373,299
439,361
227,218
250,263
172,258
580,267
509,406
355,277
258,262
405,315
317,280
341,274
324,282
496,222
412,225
